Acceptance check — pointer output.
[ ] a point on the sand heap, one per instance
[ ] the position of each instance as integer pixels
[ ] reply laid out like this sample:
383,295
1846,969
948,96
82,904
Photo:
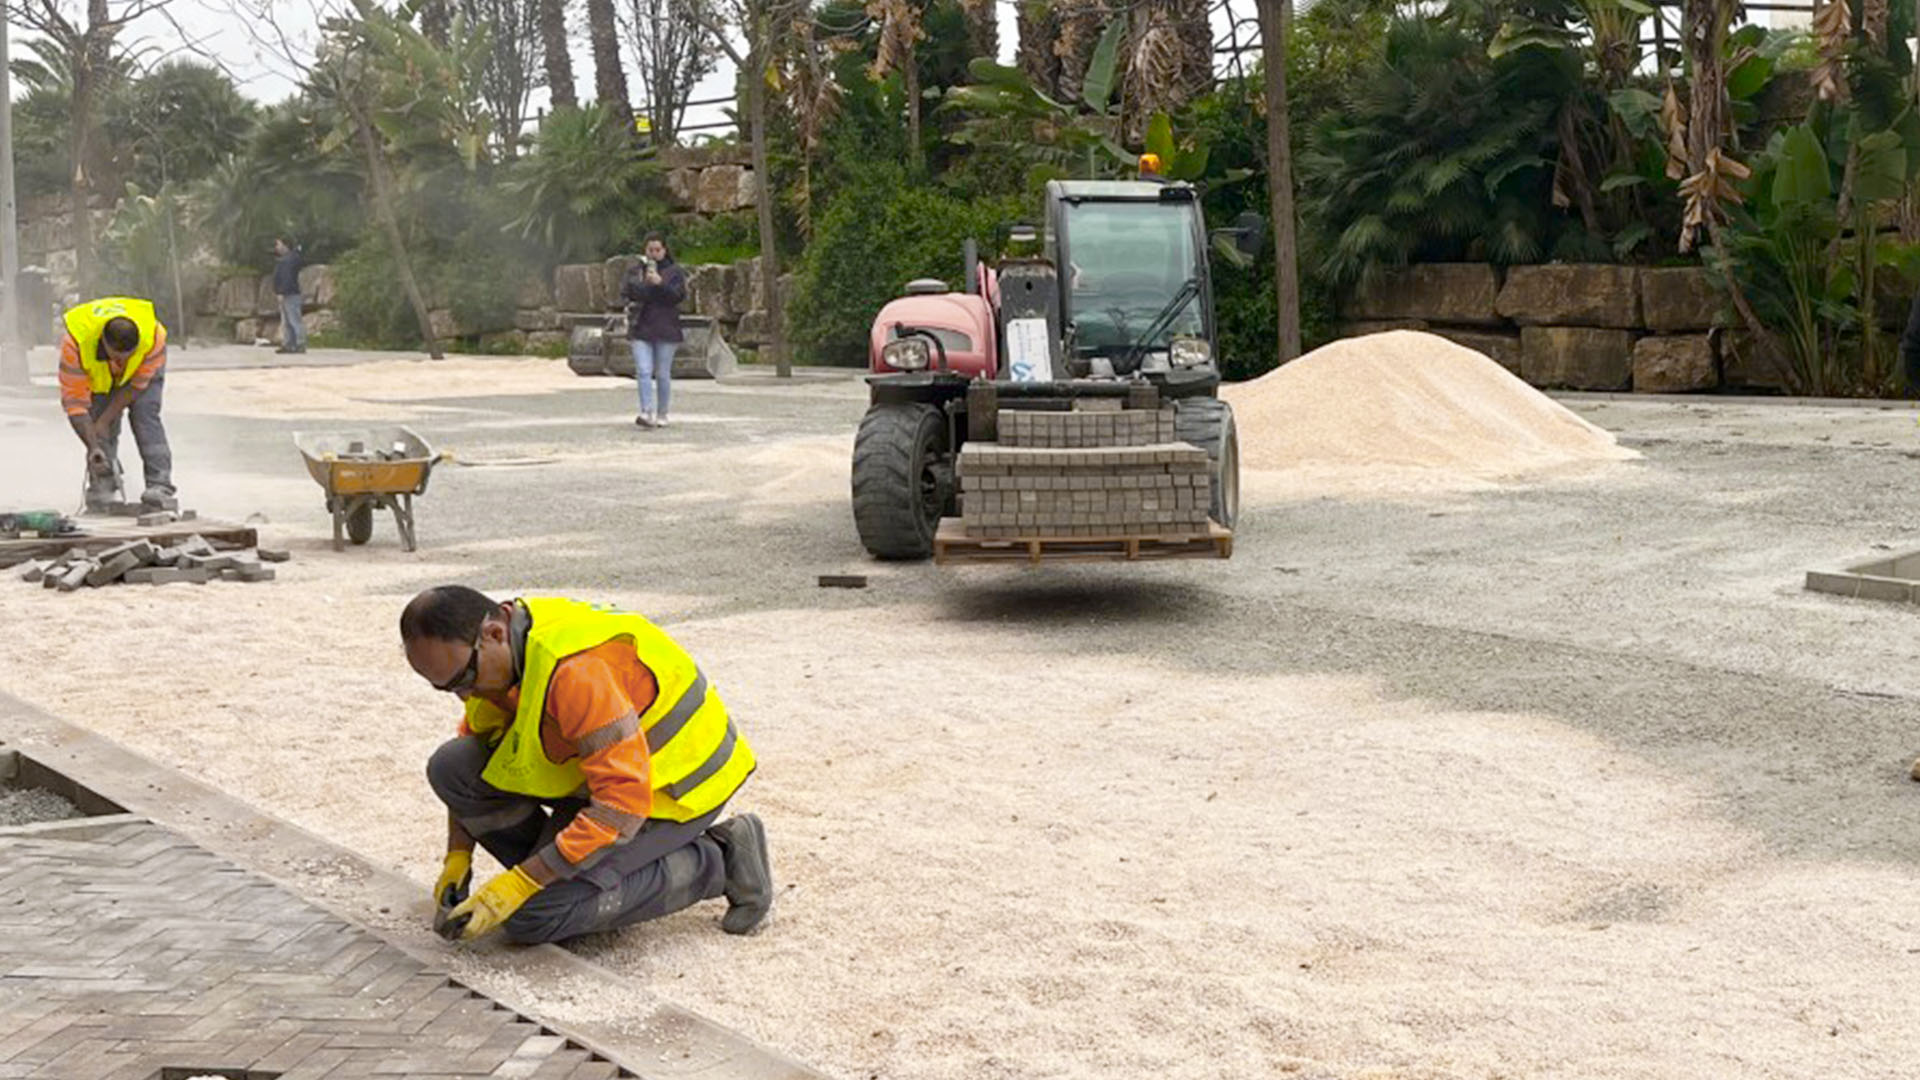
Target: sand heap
1408,403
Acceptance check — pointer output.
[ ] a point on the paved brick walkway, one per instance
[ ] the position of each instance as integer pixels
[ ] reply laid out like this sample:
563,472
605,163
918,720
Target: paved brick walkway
129,953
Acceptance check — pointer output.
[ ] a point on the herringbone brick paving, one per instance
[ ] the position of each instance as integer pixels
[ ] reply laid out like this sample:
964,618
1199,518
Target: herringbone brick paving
129,953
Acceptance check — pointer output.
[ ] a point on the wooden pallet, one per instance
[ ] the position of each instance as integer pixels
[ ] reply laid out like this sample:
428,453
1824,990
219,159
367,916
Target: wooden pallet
952,546
100,533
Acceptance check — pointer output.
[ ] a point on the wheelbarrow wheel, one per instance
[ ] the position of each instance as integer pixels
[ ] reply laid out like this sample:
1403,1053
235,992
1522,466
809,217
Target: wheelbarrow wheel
360,522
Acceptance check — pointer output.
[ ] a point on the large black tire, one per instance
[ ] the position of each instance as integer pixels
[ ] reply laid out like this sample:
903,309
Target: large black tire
901,480
1208,424
360,523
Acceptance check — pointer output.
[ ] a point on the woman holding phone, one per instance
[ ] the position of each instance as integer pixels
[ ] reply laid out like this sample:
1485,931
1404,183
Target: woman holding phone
654,289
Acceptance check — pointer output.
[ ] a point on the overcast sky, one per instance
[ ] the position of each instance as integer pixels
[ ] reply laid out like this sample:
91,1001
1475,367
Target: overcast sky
215,28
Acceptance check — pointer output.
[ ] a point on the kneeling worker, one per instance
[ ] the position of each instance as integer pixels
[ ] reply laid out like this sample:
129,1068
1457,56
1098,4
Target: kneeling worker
113,360
593,761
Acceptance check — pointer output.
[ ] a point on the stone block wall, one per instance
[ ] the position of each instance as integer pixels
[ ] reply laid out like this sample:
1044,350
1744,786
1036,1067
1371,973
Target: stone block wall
729,293
1572,326
708,180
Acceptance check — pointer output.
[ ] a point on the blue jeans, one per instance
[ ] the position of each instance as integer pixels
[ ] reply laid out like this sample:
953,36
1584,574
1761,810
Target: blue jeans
293,332
653,363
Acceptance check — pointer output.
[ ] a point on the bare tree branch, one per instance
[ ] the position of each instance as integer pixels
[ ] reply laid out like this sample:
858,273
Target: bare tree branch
672,54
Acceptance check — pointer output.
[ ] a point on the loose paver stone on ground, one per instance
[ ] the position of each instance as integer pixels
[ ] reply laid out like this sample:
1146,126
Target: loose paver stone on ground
126,952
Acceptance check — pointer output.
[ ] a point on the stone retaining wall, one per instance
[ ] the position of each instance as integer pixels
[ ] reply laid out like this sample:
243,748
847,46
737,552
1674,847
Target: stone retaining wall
1573,326
729,293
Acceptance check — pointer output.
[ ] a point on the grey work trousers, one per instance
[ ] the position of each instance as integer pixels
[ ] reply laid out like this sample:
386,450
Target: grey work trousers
666,866
156,457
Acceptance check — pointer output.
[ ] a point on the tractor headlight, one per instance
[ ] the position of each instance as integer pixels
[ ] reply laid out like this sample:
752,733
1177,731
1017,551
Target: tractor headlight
1189,352
907,354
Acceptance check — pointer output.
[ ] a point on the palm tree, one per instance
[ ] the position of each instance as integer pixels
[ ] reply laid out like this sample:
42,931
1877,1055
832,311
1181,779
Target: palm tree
812,99
1081,24
900,27
609,78
553,49
1167,65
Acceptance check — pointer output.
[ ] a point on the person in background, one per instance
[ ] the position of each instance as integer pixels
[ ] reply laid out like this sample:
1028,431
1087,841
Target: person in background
654,289
286,283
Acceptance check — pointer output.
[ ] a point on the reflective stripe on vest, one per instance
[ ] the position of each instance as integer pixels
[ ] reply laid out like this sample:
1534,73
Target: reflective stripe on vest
698,759
88,321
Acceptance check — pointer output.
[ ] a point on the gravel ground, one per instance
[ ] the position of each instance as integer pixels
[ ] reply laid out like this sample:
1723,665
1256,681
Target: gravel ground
1563,779
25,806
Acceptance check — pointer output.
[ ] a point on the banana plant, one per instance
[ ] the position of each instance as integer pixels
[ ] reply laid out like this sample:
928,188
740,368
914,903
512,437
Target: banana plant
1780,244
1005,110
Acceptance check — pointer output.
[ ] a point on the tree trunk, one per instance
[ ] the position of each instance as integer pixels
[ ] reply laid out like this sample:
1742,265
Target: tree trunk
382,183
1276,17
759,50
1039,28
609,78
90,62
1196,41
983,28
912,73
1081,22
80,188
435,21
553,49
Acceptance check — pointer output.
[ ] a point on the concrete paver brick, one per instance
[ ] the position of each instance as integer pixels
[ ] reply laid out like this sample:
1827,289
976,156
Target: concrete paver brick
127,950
111,569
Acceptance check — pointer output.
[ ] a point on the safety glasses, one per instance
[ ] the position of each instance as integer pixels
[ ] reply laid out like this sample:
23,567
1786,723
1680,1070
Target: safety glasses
463,682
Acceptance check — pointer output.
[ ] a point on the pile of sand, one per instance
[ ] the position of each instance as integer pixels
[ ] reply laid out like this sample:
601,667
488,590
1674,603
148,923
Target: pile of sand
1414,405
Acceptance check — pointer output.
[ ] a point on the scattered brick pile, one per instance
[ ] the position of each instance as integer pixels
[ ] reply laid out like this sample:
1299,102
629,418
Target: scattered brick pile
1045,478
142,562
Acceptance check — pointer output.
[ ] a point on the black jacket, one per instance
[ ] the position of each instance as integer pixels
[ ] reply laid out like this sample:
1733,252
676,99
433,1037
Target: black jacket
286,273
653,311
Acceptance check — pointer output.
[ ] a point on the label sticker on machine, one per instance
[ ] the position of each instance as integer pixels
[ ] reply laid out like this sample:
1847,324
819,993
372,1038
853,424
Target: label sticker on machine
1029,357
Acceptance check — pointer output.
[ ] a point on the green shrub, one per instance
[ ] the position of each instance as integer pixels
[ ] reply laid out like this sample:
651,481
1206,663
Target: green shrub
877,233
724,238
462,260
283,183
1441,154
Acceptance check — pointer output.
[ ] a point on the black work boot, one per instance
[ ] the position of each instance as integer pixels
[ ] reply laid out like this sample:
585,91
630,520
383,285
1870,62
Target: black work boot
743,840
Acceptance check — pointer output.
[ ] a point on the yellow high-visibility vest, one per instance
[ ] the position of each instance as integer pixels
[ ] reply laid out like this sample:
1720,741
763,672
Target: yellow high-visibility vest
86,322
698,759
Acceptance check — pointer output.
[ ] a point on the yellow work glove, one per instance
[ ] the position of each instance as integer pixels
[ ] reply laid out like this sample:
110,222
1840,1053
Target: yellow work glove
492,905
456,873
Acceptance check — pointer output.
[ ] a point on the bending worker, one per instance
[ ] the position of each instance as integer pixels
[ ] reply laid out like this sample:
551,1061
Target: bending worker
593,761
113,360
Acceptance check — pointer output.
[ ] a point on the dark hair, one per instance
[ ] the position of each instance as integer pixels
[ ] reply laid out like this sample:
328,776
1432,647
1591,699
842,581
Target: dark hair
651,237
446,613
121,334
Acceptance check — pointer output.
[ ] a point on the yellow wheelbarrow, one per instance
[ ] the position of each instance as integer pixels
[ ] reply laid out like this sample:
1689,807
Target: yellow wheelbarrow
368,470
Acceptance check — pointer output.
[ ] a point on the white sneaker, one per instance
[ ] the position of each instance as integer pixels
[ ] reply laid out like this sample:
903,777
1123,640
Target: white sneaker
644,420
660,421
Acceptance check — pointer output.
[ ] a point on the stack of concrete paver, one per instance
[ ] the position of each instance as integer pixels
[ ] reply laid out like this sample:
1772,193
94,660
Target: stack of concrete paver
1070,474
142,562
1094,428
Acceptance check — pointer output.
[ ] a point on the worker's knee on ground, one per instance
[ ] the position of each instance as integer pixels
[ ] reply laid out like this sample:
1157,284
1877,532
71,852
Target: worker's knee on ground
455,767
553,914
